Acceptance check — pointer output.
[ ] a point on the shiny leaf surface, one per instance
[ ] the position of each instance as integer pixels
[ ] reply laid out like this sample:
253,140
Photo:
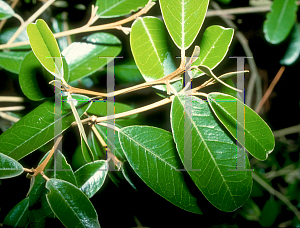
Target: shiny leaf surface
259,139
91,177
11,61
5,10
209,150
18,216
152,155
183,19
70,205
9,167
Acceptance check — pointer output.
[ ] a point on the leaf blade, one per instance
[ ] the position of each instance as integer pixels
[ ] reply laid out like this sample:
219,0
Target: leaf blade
9,167
5,10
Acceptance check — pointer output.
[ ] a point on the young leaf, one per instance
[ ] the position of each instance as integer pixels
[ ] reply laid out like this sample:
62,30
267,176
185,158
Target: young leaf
11,61
280,20
39,211
70,205
34,80
37,129
45,47
212,154
117,8
9,167
214,47
183,19
259,139
151,50
85,58
152,155
18,216
293,51
5,10
91,177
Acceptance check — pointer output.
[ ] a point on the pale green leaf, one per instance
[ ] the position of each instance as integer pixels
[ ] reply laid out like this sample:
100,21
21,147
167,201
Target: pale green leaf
213,47
5,10
259,139
152,155
11,61
45,47
18,216
117,8
9,167
280,20
183,19
91,177
151,50
211,152
70,205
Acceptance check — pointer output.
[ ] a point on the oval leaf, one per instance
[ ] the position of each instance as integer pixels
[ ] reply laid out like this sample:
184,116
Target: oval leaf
11,61
183,19
91,177
293,51
150,47
45,47
18,216
70,205
9,167
259,139
213,47
213,154
280,20
35,129
152,155
117,8
86,58
5,10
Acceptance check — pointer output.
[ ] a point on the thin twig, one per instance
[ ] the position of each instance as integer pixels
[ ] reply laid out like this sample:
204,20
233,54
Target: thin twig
270,89
8,117
287,131
110,126
12,108
19,18
11,99
276,193
113,25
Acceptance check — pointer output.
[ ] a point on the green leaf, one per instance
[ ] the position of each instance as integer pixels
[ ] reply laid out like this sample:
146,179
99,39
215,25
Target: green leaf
269,213
91,177
70,205
213,47
18,216
99,108
34,80
128,72
85,58
250,210
212,151
117,8
152,155
151,50
183,19
125,173
45,47
225,1
9,167
280,20
39,209
5,10
293,51
6,34
11,61
35,129
259,139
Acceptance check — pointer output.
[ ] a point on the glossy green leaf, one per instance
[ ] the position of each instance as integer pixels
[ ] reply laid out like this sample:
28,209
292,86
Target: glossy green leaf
11,61
6,35
125,173
91,177
5,10
117,8
152,155
213,154
34,80
40,212
128,72
293,51
151,50
269,213
280,20
18,216
85,58
213,47
99,108
259,139
34,130
183,19
45,47
70,205
9,167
